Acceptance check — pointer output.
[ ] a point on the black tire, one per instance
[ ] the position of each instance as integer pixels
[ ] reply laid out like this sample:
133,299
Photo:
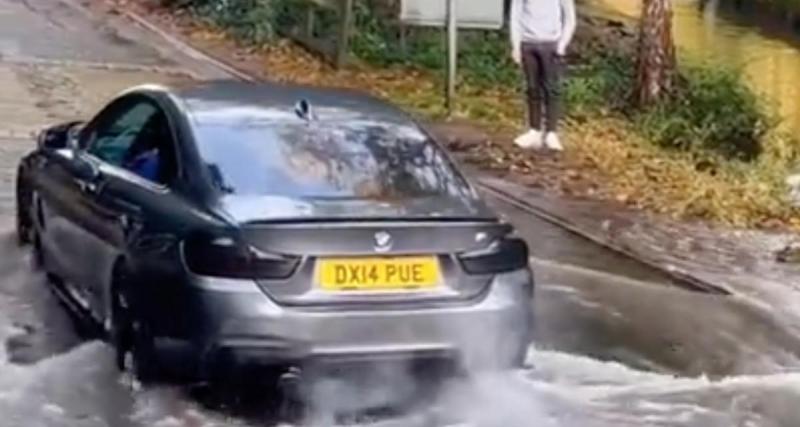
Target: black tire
120,333
24,222
145,363
134,344
37,253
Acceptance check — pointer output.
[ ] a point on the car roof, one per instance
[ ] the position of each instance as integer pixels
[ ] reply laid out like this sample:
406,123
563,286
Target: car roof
228,101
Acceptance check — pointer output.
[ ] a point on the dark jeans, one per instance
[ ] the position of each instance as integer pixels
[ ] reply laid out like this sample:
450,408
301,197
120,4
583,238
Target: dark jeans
542,67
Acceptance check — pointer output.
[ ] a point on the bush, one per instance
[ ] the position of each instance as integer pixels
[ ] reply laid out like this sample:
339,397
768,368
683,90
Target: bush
249,20
711,110
486,61
600,86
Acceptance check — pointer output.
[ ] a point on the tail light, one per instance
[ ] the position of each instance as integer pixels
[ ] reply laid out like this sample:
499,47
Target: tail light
225,257
504,255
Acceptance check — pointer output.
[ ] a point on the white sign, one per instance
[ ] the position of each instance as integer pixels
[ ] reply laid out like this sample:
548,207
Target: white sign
484,14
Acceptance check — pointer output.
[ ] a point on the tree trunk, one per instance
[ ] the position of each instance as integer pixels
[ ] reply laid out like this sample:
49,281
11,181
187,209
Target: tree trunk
656,61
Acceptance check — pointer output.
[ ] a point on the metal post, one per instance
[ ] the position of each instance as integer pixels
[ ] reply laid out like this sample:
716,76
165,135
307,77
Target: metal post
346,16
452,55
402,36
310,24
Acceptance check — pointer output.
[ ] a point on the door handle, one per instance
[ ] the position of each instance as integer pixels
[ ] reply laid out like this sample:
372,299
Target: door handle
89,187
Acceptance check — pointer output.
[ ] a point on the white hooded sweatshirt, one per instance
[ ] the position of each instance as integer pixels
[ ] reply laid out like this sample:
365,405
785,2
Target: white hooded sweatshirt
542,21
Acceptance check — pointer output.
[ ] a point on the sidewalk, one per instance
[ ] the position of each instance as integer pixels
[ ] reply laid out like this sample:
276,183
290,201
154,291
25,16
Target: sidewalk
712,260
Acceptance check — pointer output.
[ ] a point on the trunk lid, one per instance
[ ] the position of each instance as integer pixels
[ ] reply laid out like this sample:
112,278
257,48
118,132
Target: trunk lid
248,209
390,258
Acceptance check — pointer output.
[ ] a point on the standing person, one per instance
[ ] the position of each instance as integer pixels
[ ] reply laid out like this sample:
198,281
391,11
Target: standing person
541,31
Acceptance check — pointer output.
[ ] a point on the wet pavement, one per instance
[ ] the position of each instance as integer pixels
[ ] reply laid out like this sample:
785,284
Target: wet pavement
42,30
610,351
618,344
715,259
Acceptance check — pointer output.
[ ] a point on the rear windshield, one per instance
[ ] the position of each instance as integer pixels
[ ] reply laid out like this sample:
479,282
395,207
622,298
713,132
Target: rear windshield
323,161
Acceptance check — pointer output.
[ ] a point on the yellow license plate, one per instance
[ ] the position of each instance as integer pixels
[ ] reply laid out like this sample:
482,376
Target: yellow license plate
379,274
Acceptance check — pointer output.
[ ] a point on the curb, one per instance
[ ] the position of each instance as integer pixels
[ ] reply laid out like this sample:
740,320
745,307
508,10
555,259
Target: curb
13,134
689,281
188,49
110,66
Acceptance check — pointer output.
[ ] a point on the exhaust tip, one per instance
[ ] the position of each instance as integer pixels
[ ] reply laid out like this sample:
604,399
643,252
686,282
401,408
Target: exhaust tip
290,389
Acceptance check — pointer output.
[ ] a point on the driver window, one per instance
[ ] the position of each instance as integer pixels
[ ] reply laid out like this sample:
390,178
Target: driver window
138,138
152,153
113,138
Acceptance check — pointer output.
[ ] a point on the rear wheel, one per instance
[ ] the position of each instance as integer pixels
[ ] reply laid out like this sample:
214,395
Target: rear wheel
131,336
24,222
37,257
139,358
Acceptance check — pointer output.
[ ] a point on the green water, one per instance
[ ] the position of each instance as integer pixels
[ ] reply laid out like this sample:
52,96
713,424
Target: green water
768,55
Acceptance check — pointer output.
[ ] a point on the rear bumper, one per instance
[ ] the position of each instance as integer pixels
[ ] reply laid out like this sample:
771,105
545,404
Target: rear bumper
235,322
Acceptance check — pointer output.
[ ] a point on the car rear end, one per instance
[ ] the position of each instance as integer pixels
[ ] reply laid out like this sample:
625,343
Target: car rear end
321,292
352,237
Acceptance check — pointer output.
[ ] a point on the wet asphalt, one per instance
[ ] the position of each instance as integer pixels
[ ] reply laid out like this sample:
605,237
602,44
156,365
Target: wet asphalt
610,331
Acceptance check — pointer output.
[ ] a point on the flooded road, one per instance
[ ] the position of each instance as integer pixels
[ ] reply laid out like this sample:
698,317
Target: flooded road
765,48
610,351
617,343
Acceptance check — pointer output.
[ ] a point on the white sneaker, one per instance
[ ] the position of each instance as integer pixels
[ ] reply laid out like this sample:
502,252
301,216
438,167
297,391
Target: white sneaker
552,142
529,139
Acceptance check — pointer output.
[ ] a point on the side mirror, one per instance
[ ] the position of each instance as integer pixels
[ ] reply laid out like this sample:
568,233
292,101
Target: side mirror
304,110
83,169
59,137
